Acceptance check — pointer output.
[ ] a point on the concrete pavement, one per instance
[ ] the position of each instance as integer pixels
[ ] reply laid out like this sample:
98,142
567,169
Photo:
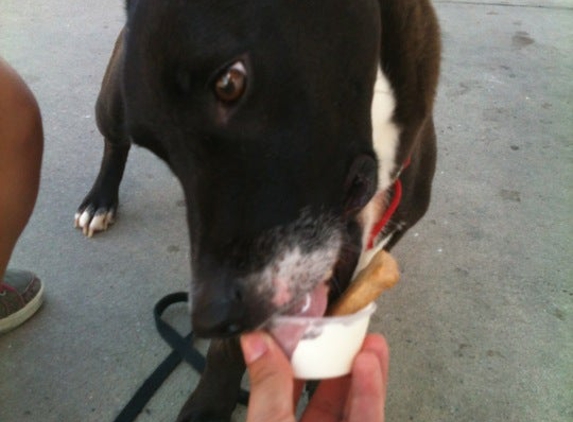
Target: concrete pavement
480,327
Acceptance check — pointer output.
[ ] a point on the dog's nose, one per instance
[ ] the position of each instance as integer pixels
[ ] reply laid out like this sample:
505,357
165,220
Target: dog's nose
219,316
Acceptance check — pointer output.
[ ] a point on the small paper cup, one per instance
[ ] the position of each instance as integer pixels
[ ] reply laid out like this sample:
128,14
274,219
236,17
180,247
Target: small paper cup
323,347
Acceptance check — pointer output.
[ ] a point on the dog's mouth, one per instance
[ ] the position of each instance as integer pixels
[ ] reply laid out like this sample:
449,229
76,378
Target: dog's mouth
315,302
312,303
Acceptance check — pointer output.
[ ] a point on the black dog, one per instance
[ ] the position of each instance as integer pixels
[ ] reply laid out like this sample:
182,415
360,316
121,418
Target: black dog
294,173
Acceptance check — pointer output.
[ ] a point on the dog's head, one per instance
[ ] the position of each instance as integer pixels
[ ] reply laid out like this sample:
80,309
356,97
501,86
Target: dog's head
262,110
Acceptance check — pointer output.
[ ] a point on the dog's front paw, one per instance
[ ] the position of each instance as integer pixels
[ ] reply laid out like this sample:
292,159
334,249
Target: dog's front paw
95,216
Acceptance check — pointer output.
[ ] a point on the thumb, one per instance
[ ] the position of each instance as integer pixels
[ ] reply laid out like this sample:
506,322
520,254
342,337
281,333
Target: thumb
270,378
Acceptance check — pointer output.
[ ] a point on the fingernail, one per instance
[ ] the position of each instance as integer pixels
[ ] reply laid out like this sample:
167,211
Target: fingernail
254,345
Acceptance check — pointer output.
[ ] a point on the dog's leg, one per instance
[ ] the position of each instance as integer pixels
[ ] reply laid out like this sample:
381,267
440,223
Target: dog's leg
98,208
216,396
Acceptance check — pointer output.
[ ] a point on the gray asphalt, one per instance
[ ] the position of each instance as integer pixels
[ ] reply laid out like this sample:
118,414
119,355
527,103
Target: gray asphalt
480,326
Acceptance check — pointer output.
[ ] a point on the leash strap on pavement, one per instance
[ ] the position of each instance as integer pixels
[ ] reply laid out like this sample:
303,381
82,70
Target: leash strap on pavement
183,349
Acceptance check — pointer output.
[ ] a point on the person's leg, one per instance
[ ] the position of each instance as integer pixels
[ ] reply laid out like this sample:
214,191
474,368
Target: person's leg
21,146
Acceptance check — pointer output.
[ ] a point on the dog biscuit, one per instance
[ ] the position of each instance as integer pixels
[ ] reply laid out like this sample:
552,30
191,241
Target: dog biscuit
380,274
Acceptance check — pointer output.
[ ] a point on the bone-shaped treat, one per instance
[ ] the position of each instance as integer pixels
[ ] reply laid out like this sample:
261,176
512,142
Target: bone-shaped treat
380,274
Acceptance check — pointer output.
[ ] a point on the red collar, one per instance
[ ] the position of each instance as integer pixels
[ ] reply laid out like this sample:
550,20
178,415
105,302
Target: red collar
391,209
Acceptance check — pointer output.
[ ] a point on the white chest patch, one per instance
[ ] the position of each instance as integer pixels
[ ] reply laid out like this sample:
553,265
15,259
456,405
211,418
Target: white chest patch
385,135
385,132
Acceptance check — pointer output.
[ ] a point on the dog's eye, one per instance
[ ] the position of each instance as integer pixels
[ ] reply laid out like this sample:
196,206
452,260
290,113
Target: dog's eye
231,84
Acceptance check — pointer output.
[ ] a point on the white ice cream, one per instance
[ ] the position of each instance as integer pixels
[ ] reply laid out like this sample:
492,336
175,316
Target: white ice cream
328,345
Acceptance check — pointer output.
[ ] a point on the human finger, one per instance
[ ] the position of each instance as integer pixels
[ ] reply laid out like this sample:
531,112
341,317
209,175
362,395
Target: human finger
377,344
367,396
271,380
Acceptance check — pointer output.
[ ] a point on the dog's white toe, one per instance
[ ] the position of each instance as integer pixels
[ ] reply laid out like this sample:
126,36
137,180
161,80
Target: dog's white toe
90,223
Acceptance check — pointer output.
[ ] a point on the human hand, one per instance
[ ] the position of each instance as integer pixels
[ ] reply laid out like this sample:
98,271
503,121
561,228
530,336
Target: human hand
358,397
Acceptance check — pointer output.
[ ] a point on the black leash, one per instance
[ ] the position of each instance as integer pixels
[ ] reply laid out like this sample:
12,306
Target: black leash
183,349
